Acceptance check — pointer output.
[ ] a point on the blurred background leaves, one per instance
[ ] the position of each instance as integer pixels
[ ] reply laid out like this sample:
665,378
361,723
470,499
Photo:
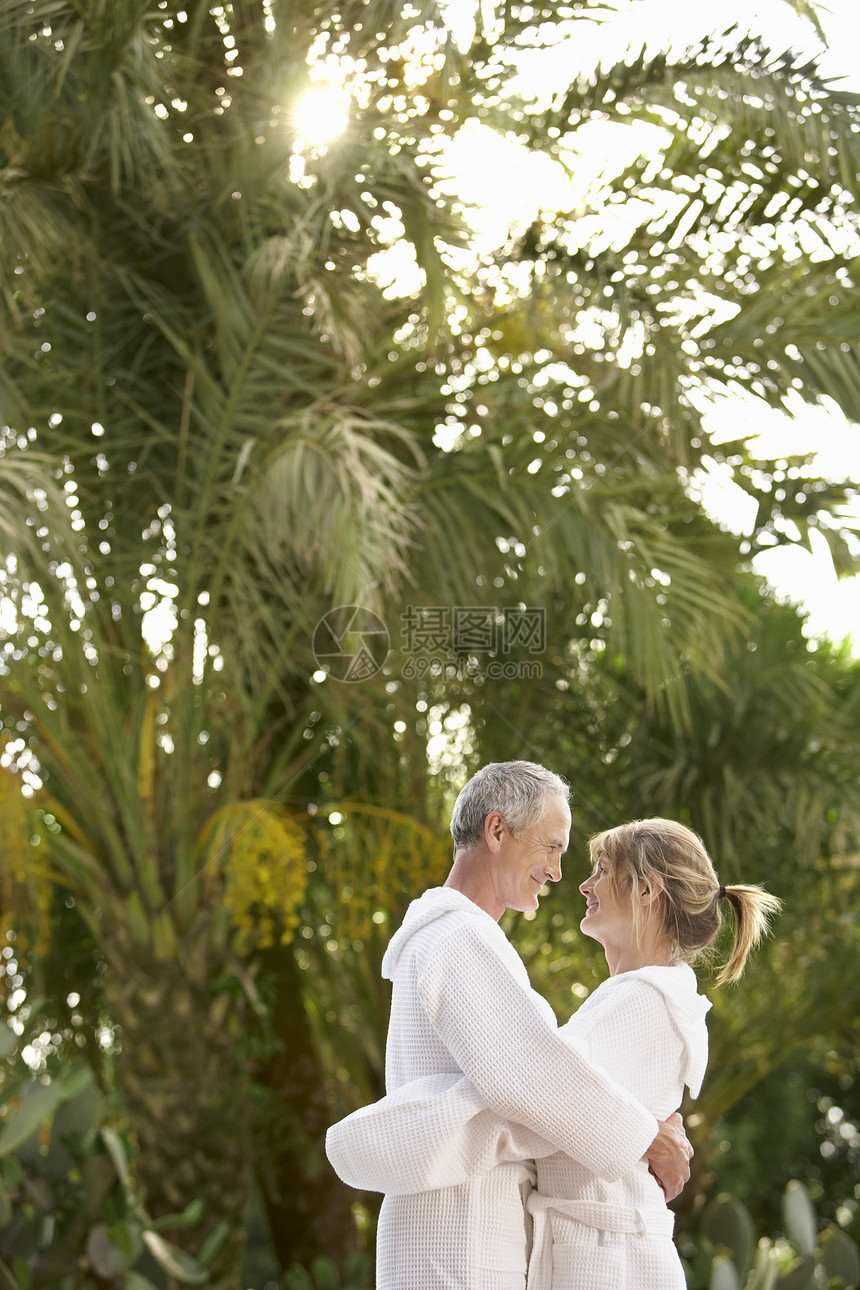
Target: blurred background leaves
255,364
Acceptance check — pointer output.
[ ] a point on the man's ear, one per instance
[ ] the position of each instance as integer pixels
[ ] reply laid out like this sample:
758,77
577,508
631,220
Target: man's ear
650,888
494,830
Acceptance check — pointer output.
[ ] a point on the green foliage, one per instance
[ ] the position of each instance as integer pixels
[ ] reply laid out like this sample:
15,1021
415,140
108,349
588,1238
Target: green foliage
70,1217
803,1259
727,1223
355,1273
796,1122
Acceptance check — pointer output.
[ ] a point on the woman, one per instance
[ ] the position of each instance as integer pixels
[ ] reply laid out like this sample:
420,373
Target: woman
655,904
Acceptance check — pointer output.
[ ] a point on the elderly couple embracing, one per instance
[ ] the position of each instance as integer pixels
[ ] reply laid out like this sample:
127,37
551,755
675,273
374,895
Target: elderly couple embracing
513,1152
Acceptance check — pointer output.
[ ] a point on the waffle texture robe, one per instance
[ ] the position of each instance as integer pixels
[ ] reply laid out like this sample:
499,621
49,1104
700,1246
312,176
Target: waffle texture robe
465,1018
647,1027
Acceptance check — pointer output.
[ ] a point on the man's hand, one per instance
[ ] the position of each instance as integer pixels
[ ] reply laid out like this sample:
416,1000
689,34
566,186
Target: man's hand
669,1156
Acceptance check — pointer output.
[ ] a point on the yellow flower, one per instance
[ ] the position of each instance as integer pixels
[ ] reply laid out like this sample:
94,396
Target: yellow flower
374,862
260,850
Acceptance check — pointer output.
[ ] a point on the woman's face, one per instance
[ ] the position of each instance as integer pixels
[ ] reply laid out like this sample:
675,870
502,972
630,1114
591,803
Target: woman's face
608,910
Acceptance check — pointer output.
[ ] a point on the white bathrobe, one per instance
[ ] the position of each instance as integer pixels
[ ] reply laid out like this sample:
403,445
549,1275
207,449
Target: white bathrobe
647,1027
462,1006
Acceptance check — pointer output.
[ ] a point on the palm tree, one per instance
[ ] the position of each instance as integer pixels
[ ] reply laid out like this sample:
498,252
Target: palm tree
194,389
235,434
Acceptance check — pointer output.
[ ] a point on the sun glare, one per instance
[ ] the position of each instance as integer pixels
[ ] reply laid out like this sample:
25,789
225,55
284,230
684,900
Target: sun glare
321,114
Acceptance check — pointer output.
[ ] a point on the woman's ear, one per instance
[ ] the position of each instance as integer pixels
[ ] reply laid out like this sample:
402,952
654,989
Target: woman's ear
650,888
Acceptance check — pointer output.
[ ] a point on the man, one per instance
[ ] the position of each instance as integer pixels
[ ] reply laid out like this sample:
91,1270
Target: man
462,1003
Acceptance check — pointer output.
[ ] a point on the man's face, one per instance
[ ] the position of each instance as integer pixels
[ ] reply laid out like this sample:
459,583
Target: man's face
524,865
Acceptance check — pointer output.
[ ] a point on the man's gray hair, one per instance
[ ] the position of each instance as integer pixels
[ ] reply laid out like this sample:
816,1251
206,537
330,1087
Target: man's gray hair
516,789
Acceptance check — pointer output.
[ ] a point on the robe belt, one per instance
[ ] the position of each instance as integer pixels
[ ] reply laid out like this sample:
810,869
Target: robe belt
649,1221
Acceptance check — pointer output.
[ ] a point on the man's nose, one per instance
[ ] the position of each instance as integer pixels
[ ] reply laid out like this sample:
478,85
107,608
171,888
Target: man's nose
553,869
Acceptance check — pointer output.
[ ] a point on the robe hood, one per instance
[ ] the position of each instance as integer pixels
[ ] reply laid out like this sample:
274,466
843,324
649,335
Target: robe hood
433,904
679,987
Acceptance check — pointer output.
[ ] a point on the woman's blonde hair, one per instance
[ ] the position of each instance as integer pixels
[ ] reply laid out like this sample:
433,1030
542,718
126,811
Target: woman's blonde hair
690,906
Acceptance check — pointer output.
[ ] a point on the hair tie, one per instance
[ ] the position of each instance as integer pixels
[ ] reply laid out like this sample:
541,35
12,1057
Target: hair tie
721,893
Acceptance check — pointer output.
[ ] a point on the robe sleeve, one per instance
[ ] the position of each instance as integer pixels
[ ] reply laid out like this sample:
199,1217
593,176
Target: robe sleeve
432,1132
496,1029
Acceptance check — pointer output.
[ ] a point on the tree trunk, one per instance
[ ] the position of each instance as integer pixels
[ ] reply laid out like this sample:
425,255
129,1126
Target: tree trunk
688,1205
309,1210
185,1086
